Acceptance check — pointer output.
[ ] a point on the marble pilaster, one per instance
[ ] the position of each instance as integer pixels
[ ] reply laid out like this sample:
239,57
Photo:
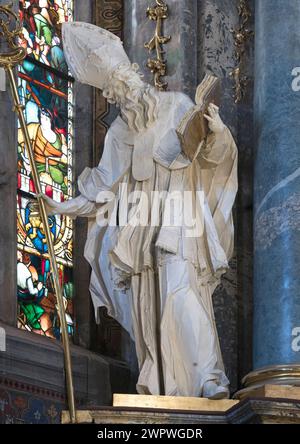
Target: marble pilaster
277,186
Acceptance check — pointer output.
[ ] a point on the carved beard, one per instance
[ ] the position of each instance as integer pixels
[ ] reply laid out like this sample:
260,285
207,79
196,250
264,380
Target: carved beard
139,108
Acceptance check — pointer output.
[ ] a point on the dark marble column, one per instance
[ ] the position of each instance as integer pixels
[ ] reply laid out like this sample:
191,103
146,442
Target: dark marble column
276,193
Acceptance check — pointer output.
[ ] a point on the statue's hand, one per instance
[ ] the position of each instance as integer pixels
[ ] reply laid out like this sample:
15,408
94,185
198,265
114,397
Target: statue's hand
215,122
50,204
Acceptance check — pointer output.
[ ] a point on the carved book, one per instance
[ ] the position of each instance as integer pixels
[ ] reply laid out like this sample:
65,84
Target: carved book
193,128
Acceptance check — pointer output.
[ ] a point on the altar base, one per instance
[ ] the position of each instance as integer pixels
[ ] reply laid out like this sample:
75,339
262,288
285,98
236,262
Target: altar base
255,410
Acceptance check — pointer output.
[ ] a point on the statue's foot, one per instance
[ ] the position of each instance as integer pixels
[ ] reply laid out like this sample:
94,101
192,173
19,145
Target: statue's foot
211,390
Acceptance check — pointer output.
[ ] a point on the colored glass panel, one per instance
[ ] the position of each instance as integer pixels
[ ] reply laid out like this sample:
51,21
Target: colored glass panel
31,236
41,35
48,113
37,304
46,92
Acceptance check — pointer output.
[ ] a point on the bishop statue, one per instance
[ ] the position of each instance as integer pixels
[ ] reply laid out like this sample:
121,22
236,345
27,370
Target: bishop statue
153,270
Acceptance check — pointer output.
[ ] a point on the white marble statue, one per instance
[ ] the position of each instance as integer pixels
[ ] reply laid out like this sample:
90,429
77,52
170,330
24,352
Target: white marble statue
154,278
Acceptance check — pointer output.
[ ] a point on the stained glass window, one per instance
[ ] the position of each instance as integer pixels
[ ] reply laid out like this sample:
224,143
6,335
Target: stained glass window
45,90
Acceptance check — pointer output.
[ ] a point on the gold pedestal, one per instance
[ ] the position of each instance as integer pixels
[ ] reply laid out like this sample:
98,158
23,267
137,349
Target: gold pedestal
272,382
277,374
173,403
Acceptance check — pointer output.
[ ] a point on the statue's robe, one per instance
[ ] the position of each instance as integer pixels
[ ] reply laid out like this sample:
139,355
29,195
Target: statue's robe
142,273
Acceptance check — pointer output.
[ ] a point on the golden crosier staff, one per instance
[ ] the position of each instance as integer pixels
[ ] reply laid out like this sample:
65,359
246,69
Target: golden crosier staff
8,61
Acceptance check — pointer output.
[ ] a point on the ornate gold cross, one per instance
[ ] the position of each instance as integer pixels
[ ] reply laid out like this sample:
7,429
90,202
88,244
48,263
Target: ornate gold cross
158,66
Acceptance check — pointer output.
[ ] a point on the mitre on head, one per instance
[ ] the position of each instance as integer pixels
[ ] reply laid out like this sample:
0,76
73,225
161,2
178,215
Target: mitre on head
92,53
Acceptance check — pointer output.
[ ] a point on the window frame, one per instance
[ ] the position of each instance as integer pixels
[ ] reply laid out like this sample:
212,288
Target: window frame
82,136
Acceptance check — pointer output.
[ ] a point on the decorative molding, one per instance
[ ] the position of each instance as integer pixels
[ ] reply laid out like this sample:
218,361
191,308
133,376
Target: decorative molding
30,389
276,374
249,411
158,66
25,404
241,35
108,15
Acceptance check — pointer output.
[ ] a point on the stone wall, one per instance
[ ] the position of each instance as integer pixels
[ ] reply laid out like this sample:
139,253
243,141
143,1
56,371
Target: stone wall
32,378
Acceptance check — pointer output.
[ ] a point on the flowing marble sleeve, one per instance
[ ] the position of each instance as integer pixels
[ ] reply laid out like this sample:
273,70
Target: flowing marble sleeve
215,149
80,206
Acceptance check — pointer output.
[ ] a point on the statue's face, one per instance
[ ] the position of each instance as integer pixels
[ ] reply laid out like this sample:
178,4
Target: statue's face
119,91
135,82
125,88
128,85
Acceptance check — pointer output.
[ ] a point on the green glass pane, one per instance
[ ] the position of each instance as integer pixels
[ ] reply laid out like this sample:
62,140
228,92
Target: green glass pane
37,304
